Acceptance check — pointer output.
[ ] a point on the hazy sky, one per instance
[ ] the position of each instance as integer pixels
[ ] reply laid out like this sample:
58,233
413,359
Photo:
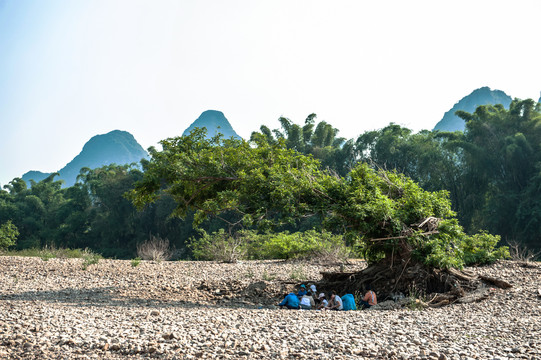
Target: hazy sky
72,69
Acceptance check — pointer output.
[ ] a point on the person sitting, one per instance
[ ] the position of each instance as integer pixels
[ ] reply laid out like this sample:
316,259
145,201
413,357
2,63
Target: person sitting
307,302
348,300
291,301
312,290
335,303
323,303
302,291
369,299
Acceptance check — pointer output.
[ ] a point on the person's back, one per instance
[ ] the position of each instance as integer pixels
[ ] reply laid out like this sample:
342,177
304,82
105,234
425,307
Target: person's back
291,301
370,298
306,302
349,302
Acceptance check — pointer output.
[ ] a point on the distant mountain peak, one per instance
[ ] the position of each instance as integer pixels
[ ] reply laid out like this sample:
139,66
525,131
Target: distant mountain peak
478,97
215,122
116,147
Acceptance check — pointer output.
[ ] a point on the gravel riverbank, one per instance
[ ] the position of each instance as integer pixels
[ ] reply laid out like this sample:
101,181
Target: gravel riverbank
183,310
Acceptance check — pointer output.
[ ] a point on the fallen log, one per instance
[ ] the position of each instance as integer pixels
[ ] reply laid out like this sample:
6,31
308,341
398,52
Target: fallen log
498,282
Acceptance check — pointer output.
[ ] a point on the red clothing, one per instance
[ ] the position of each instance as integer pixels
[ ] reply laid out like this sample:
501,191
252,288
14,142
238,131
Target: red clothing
371,298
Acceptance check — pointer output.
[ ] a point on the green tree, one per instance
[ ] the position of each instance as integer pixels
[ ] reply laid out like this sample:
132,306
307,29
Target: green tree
266,185
319,140
114,224
501,153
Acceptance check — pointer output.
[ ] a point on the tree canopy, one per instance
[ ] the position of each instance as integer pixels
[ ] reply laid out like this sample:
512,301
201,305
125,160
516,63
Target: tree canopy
262,184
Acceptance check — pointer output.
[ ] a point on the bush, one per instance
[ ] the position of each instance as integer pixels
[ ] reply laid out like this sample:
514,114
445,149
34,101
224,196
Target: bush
306,245
90,258
520,252
219,246
51,252
480,249
246,244
8,235
155,248
135,262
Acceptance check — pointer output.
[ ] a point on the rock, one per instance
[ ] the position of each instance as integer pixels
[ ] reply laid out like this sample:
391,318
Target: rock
179,318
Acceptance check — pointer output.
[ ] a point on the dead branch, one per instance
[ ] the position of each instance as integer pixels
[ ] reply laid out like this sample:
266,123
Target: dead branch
404,236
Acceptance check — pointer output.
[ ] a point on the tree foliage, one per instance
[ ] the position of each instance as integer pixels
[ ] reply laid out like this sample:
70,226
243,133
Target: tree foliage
264,185
320,141
8,235
91,214
302,177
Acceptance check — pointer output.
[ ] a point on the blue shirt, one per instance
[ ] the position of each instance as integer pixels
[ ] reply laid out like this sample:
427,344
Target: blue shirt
291,299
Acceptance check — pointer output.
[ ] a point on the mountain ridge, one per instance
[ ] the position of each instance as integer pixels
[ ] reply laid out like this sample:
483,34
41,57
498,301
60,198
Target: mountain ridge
214,121
115,147
120,147
478,97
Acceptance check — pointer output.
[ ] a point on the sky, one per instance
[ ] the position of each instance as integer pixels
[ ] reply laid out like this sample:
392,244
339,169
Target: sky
73,69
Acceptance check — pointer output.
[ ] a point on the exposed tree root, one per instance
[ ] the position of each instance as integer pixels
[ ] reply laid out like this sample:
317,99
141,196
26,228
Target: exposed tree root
442,287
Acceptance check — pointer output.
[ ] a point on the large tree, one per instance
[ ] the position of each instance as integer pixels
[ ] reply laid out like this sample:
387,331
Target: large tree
263,184
501,156
319,140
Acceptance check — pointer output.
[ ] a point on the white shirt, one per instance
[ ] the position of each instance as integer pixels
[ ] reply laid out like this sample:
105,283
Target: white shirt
305,301
338,299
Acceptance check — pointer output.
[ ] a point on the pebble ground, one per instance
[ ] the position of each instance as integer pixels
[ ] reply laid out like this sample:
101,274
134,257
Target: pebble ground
188,310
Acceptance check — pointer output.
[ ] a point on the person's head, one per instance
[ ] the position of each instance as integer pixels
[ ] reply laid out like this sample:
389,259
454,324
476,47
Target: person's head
333,295
321,296
303,287
369,287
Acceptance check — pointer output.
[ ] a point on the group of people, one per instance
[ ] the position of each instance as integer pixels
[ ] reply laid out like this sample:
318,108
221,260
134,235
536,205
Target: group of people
307,299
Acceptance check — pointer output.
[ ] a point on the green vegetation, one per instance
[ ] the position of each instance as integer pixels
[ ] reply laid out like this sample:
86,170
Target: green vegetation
8,235
249,245
302,191
47,253
135,262
267,186
298,274
90,258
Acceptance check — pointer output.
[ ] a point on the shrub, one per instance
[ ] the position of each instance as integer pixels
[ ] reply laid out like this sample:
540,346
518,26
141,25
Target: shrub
218,246
452,248
8,235
155,248
480,249
246,244
298,274
520,252
135,262
309,244
90,258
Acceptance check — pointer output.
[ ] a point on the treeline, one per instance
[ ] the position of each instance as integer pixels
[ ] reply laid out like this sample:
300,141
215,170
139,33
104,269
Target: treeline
492,172
91,214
